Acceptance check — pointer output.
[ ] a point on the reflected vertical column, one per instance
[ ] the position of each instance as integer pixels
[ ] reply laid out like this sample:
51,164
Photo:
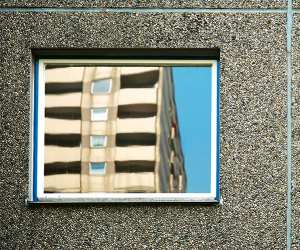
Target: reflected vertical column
86,102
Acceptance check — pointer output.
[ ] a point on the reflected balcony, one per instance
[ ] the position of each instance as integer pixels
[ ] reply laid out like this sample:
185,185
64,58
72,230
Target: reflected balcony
62,183
136,125
134,182
146,153
137,95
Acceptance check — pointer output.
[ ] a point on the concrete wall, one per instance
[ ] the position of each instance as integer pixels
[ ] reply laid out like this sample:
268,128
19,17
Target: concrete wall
256,112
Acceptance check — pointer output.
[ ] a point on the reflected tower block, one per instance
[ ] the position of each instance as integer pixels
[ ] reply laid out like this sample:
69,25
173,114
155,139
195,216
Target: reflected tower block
112,129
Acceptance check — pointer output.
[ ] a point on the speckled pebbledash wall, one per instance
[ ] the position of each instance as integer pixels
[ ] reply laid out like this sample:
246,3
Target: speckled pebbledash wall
148,3
254,125
296,130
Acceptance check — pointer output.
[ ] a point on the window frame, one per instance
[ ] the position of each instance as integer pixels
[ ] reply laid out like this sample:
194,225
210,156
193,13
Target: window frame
95,173
36,173
93,119
97,147
101,93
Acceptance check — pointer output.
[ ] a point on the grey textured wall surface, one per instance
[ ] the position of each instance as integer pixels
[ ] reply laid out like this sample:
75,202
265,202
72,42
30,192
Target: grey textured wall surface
148,3
296,3
296,130
253,132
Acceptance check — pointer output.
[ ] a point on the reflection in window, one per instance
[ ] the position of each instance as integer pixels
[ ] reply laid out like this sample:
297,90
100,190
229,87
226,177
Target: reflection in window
106,136
98,141
99,114
101,86
97,168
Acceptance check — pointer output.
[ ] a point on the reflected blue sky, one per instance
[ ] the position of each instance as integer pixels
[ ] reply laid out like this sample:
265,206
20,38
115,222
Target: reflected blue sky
193,101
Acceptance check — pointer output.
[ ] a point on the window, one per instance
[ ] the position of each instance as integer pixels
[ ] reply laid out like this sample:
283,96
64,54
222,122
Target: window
161,112
98,141
101,86
97,168
99,114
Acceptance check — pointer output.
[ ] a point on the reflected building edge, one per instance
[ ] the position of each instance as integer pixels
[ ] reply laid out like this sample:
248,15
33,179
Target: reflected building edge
111,129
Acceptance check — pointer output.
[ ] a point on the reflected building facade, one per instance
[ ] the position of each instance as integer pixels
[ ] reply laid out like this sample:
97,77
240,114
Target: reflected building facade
111,129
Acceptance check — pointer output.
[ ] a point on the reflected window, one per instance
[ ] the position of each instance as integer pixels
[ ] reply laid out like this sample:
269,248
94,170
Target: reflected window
98,141
101,86
99,114
97,168
157,133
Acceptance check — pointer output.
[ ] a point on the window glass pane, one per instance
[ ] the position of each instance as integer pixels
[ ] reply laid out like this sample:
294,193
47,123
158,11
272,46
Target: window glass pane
101,86
99,114
97,168
156,133
98,141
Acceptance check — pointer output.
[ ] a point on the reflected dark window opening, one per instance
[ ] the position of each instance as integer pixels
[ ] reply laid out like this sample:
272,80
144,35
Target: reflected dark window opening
137,110
134,166
69,113
141,80
132,139
62,168
64,140
58,88
56,66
